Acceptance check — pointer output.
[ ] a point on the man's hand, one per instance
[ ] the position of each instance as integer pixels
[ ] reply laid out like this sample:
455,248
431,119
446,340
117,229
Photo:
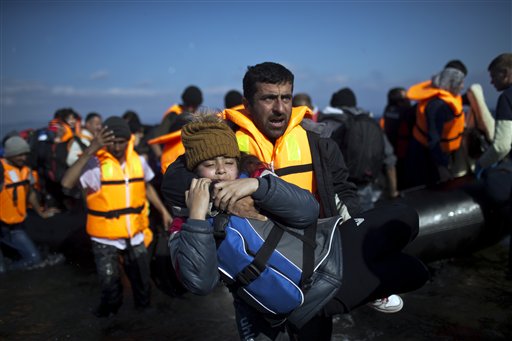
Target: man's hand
227,193
245,208
166,220
50,212
103,138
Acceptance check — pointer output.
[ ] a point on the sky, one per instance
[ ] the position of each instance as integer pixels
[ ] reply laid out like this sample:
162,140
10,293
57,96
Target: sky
112,56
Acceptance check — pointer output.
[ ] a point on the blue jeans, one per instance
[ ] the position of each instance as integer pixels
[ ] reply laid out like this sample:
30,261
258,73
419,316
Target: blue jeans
15,237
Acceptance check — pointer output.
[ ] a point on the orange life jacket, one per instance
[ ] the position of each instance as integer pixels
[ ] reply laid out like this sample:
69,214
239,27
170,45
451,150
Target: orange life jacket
117,210
289,157
238,107
175,108
13,194
172,148
451,136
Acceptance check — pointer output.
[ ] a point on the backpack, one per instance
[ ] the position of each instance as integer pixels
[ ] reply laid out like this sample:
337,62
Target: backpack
361,141
256,272
397,126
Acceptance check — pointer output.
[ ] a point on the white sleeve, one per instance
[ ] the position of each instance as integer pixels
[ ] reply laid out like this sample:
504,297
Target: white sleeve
73,153
91,176
148,172
501,145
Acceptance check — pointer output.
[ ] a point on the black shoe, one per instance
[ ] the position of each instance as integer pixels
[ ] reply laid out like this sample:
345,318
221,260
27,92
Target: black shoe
105,310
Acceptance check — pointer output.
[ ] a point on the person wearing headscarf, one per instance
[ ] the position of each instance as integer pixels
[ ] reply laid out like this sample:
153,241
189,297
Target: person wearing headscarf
437,132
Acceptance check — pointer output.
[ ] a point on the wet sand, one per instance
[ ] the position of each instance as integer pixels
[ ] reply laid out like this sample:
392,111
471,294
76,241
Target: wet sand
467,299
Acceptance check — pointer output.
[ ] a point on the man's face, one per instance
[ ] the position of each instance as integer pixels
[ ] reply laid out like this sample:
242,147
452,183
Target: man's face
271,108
18,160
220,168
118,148
501,79
93,125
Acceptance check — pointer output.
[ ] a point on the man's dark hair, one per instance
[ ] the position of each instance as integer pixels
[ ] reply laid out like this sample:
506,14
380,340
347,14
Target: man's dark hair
267,72
92,115
302,99
397,98
457,64
501,62
343,98
192,96
133,120
63,113
395,95
232,98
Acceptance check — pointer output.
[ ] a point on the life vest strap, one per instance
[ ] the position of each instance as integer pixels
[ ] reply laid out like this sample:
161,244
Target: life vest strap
17,184
294,169
443,140
121,182
116,213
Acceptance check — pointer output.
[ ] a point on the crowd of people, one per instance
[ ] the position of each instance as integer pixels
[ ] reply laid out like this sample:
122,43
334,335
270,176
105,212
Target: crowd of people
305,179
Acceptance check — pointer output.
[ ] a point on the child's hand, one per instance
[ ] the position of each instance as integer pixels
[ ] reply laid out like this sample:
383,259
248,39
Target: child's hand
198,198
227,193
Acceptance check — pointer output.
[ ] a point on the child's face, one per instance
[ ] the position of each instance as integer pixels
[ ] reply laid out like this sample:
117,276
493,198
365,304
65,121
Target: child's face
220,168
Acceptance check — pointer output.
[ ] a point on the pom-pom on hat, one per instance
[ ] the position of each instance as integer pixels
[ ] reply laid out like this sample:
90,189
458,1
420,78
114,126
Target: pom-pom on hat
205,140
14,146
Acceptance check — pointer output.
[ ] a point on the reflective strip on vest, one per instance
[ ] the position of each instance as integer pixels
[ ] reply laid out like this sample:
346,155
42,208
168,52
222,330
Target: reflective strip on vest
287,158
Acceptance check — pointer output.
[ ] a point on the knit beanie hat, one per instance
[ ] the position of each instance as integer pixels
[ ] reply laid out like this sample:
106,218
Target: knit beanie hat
343,98
119,126
15,145
192,96
207,140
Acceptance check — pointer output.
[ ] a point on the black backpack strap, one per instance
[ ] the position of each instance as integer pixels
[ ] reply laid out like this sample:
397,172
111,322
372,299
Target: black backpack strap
220,221
78,140
308,257
308,252
253,270
257,266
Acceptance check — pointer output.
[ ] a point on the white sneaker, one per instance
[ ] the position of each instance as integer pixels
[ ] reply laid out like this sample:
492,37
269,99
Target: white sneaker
390,304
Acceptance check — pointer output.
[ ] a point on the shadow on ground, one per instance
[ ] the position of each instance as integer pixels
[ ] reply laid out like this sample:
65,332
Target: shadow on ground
467,299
